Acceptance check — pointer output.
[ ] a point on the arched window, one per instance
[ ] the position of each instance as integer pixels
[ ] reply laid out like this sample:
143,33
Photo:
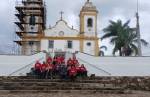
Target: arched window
32,20
90,22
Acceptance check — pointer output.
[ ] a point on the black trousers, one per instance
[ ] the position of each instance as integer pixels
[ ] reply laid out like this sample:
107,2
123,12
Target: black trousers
43,74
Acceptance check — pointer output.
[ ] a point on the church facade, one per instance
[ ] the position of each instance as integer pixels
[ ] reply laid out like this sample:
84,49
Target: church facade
61,37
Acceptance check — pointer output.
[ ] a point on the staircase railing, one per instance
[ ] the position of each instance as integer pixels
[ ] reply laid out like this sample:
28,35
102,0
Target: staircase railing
25,67
102,70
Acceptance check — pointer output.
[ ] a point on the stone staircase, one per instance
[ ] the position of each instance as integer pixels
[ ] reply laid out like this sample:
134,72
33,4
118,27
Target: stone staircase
90,85
31,85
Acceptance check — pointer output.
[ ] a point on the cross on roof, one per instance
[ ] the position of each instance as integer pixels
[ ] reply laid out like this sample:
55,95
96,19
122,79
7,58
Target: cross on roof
61,15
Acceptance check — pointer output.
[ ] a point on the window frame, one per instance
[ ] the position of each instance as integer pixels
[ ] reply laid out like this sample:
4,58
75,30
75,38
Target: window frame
51,44
69,44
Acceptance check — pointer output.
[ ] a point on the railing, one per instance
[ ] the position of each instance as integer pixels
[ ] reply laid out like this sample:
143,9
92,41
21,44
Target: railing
26,68
85,53
105,72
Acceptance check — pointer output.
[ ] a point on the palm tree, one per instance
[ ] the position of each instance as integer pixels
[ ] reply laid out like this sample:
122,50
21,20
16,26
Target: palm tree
101,52
122,37
130,46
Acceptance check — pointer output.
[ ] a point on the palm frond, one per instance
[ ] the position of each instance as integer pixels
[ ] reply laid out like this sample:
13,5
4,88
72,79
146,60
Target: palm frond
103,47
126,24
107,35
134,49
144,42
113,40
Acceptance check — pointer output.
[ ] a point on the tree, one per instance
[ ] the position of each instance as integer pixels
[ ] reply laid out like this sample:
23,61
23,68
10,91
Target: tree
122,37
101,52
130,43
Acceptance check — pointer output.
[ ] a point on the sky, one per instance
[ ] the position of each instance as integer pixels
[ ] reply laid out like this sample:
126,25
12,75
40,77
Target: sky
108,10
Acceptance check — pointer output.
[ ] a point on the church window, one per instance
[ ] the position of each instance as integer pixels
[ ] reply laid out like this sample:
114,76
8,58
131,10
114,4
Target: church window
51,44
89,44
69,44
32,20
32,28
90,22
31,43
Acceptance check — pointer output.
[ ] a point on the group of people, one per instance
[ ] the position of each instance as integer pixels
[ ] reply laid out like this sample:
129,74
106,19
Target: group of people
57,67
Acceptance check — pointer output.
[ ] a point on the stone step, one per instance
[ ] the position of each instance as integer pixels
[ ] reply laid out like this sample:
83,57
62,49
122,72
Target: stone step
66,91
51,83
58,88
55,80
31,77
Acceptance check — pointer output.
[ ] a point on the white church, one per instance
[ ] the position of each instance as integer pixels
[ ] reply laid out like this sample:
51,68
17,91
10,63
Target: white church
34,36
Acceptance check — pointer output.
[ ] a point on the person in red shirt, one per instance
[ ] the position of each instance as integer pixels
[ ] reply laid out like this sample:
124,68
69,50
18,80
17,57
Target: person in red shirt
59,60
75,62
49,60
69,62
78,70
72,73
49,70
37,69
43,70
62,59
83,71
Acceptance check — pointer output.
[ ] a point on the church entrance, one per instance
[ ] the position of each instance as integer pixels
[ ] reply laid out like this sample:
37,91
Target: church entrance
60,54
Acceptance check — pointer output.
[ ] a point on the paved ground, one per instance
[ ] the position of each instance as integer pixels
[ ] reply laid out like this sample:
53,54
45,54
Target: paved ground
135,94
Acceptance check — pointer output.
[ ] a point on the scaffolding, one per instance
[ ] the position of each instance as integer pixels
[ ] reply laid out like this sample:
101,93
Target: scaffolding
28,8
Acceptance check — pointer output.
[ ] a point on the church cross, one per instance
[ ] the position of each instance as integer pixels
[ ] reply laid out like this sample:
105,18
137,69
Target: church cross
61,15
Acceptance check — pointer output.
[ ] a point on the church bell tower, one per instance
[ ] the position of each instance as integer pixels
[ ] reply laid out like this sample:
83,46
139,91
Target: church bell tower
88,19
88,29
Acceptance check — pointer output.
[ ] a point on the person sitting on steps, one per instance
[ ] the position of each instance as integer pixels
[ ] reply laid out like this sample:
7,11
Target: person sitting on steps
37,69
72,73
49,70
43,70
83,71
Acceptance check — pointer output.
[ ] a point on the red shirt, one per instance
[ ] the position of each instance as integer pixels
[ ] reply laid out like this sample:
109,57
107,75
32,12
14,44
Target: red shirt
72,71
82,69
44,67
75,61
49,66
49,59
78,68
37,65
62,59
59,60
69,62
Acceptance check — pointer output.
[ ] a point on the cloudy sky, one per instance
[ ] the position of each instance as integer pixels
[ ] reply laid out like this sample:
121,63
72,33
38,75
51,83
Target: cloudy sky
108,10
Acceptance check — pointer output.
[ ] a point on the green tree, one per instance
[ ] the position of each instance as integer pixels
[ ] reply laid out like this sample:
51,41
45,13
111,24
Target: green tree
122,37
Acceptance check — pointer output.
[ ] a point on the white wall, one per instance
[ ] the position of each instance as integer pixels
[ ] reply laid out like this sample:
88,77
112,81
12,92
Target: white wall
60,45
44,44
118,66
11,63
89,49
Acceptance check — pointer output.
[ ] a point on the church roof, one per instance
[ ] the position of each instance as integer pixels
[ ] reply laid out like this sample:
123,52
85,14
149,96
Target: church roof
88,6
61,27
